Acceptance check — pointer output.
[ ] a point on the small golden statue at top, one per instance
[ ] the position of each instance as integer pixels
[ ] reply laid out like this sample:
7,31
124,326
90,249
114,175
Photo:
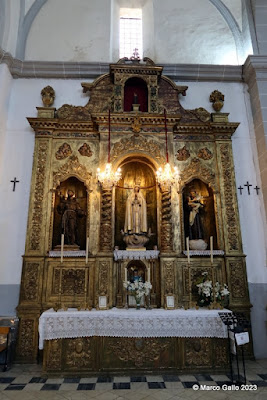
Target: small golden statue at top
48,96
217,98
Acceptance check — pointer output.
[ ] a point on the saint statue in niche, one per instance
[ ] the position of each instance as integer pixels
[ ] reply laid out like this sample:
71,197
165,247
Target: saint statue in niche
196,236
70,210
136,213
135,233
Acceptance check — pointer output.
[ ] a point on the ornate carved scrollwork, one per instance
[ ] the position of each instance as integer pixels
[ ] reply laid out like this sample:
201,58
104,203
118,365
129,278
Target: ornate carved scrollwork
85,150
53,362
205,154
72,168
30,285
196,170
103,277
72,281
78,353
237,279
169,277
140,144
63,151
26,343
221,353
198,352
106,220
38,195
70,112
182,154
228,186
166,221
138,351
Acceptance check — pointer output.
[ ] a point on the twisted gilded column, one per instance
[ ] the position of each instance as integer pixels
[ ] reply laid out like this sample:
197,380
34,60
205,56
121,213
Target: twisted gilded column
106,219
166,220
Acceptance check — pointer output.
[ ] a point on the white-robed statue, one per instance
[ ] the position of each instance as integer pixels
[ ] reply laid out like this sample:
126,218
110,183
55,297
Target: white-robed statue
136,213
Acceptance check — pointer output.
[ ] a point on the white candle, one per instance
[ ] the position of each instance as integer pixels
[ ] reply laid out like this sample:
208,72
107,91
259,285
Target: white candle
148,274
62,248
211,249
187,249
125,277
87,250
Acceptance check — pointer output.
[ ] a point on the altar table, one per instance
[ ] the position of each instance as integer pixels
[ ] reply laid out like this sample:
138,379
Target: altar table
130,323
120,341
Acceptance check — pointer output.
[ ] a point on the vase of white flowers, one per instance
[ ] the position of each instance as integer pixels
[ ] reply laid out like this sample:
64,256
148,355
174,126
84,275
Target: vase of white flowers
208,294
204,291
221,294
138,289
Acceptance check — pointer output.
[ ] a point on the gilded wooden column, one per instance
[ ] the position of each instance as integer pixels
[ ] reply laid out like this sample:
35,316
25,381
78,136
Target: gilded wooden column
166,220
106,220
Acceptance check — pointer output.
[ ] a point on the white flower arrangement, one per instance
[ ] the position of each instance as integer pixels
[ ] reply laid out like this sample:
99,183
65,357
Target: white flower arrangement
138,288
207,292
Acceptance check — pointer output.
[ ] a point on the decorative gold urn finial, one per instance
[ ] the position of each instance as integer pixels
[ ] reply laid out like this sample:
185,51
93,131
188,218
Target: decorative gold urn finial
217,98
48,96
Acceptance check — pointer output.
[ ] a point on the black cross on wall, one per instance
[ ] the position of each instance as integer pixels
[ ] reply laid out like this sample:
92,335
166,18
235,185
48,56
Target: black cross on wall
14,183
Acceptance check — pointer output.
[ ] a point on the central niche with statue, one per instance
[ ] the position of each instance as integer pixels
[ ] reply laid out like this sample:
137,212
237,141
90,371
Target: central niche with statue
150,225
136,206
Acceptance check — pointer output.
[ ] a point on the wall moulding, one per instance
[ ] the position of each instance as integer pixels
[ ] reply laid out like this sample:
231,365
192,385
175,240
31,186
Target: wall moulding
92,70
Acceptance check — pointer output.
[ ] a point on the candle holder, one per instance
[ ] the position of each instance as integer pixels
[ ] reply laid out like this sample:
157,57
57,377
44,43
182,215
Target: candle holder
126,300
148,298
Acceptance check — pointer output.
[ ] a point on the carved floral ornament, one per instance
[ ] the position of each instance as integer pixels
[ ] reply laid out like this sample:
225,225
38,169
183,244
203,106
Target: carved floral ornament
48,96
217,100
138,143
196,170
85,150
72,168
205,154
63,151
183,154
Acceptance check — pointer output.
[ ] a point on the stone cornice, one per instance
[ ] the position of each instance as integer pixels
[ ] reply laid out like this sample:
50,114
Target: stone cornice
92,70
255,67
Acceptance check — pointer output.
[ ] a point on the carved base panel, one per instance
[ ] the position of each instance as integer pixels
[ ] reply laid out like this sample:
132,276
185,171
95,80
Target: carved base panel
136,355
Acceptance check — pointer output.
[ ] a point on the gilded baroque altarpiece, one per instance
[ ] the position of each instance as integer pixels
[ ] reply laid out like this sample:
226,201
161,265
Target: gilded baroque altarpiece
70,144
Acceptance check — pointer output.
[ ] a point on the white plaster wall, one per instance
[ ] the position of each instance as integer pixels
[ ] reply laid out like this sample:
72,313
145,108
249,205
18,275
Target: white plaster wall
12,9
71,31
180,32
5,85
246,167
191,32
17,161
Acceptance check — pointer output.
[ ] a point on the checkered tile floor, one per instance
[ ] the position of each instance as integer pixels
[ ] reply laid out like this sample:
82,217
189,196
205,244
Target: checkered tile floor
27,382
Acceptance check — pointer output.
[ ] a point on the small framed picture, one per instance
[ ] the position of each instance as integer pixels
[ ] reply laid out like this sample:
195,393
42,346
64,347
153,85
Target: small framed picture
102,302
170,302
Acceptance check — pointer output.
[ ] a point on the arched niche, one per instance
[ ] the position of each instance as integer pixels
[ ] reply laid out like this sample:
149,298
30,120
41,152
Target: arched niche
205,221
136,169
135,92
79,190
136,268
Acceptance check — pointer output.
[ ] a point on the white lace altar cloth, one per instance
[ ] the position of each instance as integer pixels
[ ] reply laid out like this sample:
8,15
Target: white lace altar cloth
70,253
130,323
204,252
135,254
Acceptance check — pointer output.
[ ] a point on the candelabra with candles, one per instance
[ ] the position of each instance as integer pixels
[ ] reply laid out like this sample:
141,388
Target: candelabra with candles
108,177
167,176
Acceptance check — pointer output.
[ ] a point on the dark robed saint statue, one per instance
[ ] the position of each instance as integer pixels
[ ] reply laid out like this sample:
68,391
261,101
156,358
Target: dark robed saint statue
70,210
